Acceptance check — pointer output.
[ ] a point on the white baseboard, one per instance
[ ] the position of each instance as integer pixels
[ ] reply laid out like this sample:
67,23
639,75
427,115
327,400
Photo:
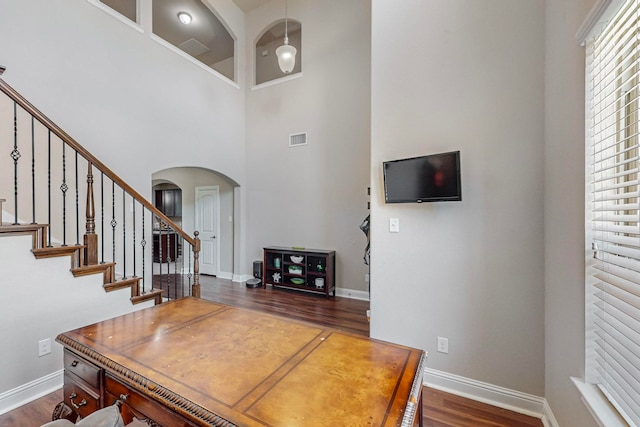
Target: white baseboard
548,419
224,275
241,277
12,399
513,400
352,293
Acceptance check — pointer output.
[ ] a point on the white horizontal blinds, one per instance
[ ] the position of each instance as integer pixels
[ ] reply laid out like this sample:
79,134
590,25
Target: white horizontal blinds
613,220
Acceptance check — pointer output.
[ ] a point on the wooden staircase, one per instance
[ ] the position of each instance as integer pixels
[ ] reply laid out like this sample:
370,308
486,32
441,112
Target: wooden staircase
75,253
43,187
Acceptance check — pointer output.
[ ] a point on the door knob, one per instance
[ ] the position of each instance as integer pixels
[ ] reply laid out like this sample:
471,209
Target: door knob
213,237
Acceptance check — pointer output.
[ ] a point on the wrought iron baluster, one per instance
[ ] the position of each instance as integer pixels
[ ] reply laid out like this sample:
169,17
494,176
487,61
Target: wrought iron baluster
77,204
175,263
133,219
49,186
124,234
196,265
15,155
175,279
33,171
113,221
168,275
168,261
143,243
102,235
189,275
160,250
64,189
176,270
181,257
163,256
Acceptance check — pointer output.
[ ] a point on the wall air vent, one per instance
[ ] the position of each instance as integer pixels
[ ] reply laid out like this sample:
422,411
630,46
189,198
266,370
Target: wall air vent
297,139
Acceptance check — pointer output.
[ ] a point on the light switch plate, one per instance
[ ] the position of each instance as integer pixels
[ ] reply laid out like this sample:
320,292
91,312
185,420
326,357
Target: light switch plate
394,225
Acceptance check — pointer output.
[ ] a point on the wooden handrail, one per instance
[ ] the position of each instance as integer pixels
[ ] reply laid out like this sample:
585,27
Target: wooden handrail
31,109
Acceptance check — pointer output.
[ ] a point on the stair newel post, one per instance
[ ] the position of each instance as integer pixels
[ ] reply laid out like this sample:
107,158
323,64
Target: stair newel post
195,288
90,237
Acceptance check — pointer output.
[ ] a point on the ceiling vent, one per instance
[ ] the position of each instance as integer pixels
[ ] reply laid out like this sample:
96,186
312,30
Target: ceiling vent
297,139
193,47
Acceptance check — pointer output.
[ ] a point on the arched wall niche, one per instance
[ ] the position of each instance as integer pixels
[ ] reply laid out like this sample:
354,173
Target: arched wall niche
266,61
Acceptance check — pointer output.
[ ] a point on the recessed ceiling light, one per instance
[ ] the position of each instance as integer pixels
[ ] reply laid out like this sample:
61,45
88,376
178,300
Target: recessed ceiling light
184,17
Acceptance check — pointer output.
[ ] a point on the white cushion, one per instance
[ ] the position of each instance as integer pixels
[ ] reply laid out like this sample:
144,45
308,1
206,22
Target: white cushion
59,423
105,417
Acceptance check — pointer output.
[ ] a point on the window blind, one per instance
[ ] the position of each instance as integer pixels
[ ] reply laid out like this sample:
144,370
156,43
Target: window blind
612,214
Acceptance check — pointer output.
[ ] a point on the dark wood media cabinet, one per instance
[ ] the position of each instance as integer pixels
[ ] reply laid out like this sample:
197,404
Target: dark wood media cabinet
314,270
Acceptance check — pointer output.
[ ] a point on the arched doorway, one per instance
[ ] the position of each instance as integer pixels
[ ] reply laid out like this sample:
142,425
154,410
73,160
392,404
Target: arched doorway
189,180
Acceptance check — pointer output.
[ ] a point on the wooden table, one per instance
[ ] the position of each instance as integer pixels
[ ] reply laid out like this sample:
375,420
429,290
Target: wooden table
193,362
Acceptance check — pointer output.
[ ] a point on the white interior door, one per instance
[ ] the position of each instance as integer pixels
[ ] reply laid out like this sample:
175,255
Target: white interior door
208,224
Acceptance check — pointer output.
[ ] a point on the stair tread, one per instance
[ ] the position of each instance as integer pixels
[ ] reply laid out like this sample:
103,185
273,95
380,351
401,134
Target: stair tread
107,270
7,227
96,267
155,294
122,283
132,283
54,251
127,279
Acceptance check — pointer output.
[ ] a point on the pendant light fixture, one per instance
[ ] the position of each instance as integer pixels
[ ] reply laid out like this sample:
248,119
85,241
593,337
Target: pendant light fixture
286,53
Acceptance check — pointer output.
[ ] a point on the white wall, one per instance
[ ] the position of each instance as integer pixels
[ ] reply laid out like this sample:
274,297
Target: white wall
564,210
467,75
316,195
501,80
132,102
128,98
31,310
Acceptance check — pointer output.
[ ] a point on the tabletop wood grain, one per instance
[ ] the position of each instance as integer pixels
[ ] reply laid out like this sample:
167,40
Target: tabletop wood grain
201,358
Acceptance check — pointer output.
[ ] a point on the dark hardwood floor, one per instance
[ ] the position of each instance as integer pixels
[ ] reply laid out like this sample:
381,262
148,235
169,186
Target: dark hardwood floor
341,313
439,409
32,414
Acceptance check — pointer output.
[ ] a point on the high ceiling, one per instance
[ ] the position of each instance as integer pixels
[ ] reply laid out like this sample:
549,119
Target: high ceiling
205,38
247,5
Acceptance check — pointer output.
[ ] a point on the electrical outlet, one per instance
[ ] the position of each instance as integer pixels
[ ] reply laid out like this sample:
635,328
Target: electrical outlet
44,347
443,345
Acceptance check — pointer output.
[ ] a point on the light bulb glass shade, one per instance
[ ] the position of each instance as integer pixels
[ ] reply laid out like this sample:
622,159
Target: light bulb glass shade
286,57
184,17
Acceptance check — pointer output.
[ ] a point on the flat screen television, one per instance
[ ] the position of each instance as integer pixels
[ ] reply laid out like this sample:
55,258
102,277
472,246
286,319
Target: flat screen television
431,178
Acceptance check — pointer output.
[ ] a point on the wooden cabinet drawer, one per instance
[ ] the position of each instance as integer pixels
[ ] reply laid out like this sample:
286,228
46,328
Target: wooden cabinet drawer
136,405
80,399
83,369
